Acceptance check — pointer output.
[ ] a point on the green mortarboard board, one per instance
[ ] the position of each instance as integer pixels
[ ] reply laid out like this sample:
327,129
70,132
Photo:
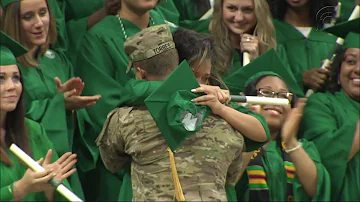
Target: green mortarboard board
349,30
170,105
269,61
4,3
10,49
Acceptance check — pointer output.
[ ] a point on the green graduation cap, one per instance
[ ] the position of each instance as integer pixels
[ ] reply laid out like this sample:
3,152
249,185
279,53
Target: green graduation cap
10,49
4,3
170,105
349,30
269,61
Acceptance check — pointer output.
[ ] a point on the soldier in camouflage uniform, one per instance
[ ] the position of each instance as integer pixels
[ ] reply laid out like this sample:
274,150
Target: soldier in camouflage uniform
206,162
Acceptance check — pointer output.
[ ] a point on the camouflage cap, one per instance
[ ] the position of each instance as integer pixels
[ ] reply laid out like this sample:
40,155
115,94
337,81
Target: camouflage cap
148,43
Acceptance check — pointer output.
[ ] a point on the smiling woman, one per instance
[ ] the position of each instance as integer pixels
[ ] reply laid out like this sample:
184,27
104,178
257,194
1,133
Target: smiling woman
240,26
47,100
18,182
286,168
11,88
30,24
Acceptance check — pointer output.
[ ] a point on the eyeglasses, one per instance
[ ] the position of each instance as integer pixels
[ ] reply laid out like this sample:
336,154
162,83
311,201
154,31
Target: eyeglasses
269,93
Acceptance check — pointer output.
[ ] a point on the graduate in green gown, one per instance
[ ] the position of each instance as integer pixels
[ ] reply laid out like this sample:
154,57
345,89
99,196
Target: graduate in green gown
80,19
238,27
332,120
48,100
285,169
101,56
299,31
18,182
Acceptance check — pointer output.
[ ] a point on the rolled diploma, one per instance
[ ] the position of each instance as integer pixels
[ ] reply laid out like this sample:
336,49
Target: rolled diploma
260,100
208,14
339,42
246,58
37,168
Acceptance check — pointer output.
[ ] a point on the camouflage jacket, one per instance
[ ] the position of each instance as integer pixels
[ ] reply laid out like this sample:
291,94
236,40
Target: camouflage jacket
206,162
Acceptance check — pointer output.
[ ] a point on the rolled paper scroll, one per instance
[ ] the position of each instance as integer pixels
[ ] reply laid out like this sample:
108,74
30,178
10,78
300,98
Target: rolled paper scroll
259,100
33,165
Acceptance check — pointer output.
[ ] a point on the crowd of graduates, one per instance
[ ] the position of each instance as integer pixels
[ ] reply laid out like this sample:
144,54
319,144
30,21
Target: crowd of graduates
66,64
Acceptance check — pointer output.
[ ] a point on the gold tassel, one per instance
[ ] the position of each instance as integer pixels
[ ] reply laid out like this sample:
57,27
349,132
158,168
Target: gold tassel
178,189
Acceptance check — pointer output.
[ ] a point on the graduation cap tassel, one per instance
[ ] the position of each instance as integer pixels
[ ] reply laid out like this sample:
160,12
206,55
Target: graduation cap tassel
339,42
37,168
178,189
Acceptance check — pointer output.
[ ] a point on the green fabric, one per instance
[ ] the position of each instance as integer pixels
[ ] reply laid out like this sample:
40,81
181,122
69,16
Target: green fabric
303,54
76,10
57,10
170,100
39,145
168,11
277,178
237,61
190,17
9,50
252,145
343,29
230,193
330,121
347,7
352,40
76,17
269,61
259,74
4,3
349,31
101,56
46,106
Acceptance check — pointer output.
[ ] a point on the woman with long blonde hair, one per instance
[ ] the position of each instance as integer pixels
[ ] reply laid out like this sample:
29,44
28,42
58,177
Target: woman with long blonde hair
238,27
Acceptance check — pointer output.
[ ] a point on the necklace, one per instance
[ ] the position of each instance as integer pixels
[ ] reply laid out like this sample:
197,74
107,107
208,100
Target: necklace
123,27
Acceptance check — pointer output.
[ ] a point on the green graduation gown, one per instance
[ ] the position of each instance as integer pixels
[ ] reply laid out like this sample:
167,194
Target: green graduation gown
39,145
303,53
277,179
76,16
347,7
330,122
101,56
46,106
57,12
190,17
168,11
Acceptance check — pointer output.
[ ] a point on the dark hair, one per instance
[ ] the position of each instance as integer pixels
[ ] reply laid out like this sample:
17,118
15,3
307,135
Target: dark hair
193,46
251,90
333,84
279,7
196,47
15,130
